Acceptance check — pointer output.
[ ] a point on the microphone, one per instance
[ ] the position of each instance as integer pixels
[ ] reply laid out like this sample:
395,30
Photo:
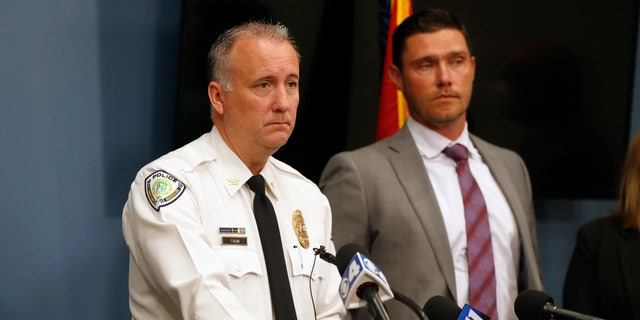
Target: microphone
326,256
442,308
537,305
362,281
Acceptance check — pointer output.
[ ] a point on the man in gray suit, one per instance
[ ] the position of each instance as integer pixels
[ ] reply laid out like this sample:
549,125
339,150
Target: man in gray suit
400,197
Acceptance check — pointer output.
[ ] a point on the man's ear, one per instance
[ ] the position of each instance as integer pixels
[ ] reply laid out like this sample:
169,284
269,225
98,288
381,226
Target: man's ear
215,97
396,77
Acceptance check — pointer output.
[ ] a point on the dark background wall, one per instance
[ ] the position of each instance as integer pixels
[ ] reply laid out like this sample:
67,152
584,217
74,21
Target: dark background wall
88,94
551,83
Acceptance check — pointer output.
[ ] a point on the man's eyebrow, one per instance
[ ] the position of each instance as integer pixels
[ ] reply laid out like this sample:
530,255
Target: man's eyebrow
271,78
459,54
448,55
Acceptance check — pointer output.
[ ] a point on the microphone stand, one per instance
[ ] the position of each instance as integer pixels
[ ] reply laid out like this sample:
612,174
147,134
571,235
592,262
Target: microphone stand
559,313
376,308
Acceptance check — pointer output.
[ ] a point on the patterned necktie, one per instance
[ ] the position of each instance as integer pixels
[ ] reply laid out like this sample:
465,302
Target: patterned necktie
482,277
265,215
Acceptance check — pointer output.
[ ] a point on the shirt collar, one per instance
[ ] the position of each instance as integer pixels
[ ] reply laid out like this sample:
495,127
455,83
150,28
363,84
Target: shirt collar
270,178
430,143
236,172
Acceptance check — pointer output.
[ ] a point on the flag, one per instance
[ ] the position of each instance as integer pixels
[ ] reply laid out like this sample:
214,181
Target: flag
392,112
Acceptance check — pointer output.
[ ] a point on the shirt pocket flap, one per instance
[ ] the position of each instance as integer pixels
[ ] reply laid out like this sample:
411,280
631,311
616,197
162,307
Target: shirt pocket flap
302,262
241,261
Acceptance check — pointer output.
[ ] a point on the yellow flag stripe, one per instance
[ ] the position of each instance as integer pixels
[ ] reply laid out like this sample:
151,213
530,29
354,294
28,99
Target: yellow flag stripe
403,111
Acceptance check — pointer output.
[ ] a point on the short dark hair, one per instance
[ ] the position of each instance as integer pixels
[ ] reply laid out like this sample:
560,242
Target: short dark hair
424,21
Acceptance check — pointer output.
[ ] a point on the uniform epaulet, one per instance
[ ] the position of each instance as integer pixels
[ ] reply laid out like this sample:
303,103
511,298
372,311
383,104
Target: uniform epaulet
286,169
187,157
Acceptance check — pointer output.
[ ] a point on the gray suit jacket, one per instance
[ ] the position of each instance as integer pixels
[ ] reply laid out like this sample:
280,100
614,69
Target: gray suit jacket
382,199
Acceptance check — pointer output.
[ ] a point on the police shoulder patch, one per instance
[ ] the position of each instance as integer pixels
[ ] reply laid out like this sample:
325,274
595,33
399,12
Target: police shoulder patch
162,189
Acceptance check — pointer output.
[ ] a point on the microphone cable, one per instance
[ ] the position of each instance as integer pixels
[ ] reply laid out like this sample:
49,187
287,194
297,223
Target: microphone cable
313,302
313,266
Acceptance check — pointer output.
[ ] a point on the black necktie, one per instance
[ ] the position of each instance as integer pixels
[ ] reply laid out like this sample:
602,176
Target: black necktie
265,215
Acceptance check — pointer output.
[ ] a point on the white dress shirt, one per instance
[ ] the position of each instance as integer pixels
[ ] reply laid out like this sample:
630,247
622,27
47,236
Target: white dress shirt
505,240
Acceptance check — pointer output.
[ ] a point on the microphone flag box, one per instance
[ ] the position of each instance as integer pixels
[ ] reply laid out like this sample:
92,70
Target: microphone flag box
470,313
361,271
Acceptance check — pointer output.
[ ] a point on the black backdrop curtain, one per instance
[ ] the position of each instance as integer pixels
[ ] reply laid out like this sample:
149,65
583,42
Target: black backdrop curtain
553,81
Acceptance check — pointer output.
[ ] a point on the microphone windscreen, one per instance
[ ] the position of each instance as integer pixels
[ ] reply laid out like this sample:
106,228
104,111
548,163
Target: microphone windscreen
346,253
530,304
441,308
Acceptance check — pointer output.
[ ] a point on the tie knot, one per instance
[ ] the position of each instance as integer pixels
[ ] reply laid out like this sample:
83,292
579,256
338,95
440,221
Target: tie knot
457,152
256,184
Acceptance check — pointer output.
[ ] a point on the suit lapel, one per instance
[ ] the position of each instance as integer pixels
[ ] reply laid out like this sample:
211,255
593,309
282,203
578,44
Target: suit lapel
409,167
505,181
503,178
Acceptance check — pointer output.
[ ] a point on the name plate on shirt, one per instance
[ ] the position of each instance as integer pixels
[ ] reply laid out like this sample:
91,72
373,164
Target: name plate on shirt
237,230
236,241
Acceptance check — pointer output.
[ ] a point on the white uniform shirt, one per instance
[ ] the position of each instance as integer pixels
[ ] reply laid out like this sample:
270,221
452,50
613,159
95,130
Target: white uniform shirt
505,240
194,243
